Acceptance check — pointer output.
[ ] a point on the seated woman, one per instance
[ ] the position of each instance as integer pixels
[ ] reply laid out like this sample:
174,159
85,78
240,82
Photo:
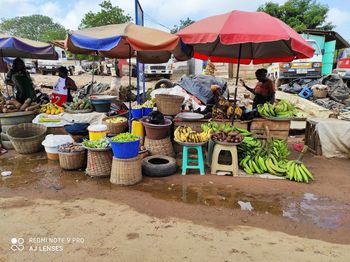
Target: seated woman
264,90
20,80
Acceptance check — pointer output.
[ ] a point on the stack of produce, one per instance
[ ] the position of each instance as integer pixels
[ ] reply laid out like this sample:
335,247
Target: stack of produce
187,135
226,127
51,109
97,144
116,120
228,137
12,105
148,104
282,109
224,110
79,104
271,157
125,137
70,148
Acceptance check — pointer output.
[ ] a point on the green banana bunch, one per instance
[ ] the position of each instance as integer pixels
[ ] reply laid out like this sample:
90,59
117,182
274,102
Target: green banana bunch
297,171
266,110
282,109
279,149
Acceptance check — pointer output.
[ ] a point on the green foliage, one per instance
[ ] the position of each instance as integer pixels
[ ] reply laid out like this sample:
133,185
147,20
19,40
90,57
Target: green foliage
108,14
183,24
300,14
35,27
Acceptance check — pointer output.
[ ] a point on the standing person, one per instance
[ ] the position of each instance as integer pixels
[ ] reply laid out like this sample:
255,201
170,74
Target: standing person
62,89
19,78
264,90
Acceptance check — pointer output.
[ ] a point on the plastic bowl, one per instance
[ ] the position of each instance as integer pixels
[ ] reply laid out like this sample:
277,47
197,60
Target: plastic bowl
101,105
125,150
136,113
146,111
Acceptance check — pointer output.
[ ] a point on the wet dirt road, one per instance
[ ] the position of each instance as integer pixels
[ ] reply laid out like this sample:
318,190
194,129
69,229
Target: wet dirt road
248,213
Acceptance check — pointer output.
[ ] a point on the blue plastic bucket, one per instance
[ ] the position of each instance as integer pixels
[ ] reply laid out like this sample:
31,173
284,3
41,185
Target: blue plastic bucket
125,149
146,111
136,113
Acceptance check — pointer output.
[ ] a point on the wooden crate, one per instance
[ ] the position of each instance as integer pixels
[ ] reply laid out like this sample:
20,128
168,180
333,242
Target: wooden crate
312,140
277,129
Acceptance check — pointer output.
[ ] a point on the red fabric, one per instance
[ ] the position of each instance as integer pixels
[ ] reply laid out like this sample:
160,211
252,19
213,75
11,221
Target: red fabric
264,88
239,27
58,99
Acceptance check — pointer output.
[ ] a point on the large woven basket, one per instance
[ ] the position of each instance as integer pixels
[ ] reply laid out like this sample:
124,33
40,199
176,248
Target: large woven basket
169,105
99,163
162,147
72,161
115,128
27,138
126,171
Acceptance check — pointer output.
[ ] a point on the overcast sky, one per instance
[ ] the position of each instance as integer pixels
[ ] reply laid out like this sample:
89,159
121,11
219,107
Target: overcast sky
165,12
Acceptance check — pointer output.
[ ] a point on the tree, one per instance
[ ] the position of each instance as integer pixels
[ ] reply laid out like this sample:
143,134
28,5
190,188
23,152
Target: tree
300,14
35,27
108,14
183,24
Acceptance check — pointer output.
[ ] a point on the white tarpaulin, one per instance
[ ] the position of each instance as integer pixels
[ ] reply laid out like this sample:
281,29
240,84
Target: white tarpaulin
334,136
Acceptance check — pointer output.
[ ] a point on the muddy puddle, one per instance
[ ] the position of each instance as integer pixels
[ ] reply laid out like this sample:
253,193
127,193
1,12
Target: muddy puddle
38,173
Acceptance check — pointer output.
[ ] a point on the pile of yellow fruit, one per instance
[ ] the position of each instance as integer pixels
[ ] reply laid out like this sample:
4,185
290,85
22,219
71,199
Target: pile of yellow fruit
51,109
116,120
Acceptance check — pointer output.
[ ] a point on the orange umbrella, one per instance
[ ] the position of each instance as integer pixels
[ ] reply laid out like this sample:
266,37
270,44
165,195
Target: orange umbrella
124,40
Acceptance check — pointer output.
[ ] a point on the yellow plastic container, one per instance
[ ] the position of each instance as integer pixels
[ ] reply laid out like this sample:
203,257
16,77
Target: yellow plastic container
97,132
137,129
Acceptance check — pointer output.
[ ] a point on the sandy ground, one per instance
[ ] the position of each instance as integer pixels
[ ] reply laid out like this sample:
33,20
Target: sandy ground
176,218
91,230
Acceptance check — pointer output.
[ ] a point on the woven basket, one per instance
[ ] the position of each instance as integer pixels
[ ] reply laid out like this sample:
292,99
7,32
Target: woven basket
72,161
27,138
162,147
320,93
126,171
169,105
99,163
115,128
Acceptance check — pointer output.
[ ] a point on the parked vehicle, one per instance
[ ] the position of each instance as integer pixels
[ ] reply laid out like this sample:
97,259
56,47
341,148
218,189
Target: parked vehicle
51,66
343,69
164,70
300,68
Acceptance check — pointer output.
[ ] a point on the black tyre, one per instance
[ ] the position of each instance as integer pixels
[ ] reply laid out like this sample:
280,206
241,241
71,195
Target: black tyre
164,83
43,72
158,166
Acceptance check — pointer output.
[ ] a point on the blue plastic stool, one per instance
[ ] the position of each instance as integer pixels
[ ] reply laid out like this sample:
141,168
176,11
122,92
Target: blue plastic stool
305,93
186,160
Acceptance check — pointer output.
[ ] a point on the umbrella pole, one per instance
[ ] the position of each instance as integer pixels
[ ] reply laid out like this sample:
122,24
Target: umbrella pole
2,58
236,87
130,93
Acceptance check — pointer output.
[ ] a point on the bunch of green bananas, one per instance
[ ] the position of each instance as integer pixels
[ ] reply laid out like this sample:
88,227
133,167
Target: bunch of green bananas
266,110
186,134
226,127
249,146
279,149
284,109
262,164
281,109
298,172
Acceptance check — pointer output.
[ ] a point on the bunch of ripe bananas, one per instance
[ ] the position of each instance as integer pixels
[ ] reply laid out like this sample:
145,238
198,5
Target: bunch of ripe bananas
186,134
51,109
